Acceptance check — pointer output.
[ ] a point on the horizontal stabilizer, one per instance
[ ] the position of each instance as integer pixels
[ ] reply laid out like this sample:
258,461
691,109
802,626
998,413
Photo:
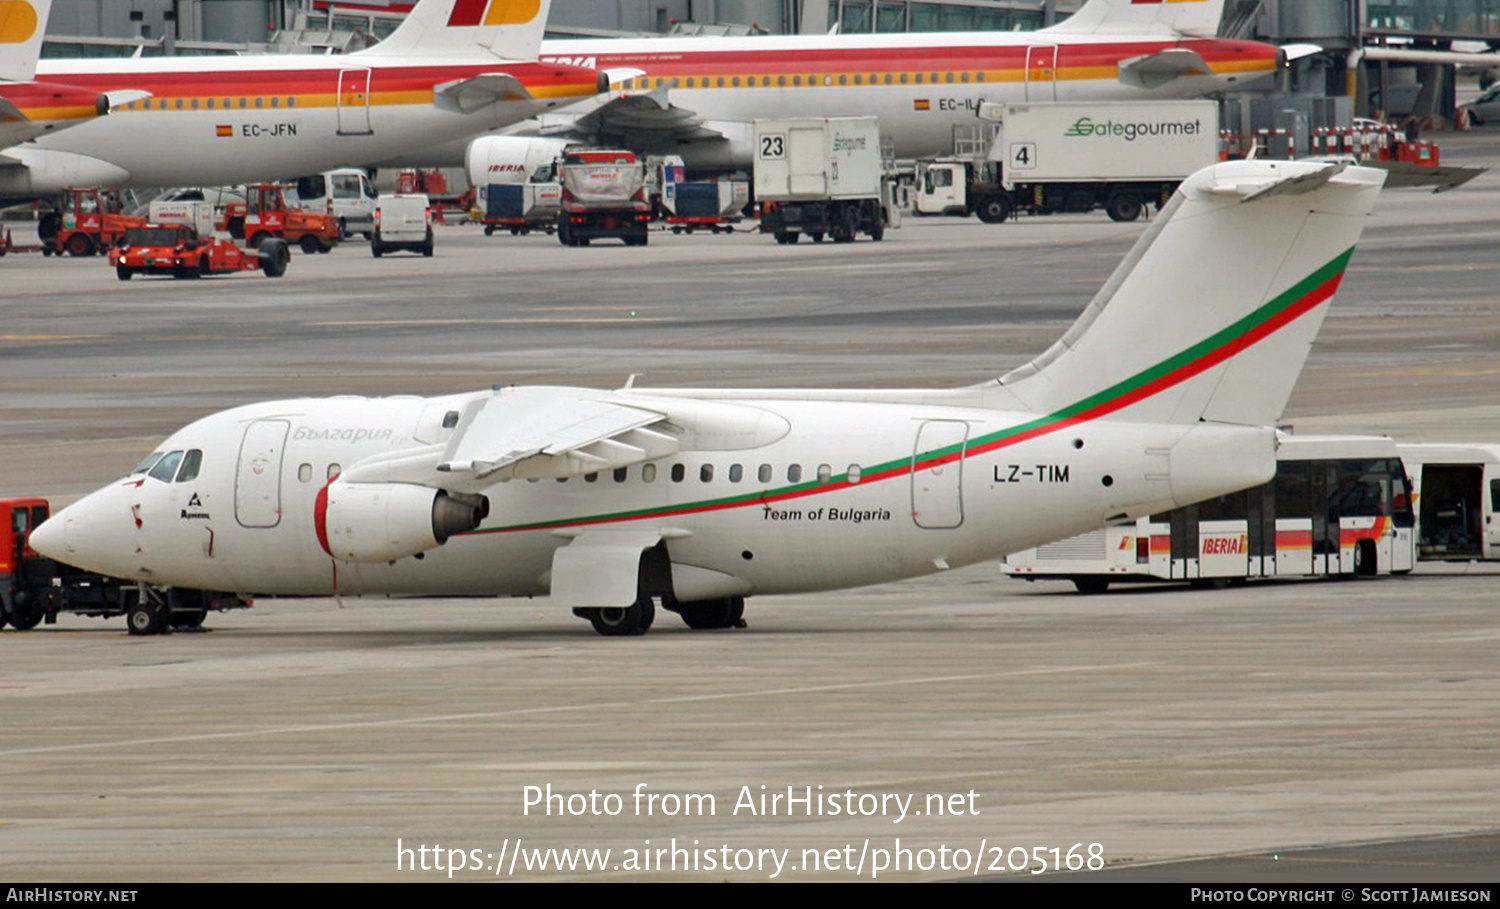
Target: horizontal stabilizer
464,96
1152,70
1442,177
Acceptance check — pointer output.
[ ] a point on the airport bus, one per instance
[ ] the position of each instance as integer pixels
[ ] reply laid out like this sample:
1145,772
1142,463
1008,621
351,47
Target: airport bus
1457,492
1338,505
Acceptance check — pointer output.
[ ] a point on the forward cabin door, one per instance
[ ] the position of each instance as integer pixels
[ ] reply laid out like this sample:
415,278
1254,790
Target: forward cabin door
257,482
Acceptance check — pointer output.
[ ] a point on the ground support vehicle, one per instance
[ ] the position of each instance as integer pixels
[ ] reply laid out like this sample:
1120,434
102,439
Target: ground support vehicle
821,177
8,245
712,205
91,221
1075,157
265,214
1338,506
35,589
403,221
520,207
346,193
174,249
604,194
1457,488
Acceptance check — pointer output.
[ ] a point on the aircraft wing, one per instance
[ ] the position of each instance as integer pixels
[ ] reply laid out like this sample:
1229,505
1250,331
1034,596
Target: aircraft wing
1152,70
617,115
14,124
540,432
468,95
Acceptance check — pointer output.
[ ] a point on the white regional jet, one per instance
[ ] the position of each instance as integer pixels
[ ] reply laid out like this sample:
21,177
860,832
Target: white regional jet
1159,395
697,96
453,68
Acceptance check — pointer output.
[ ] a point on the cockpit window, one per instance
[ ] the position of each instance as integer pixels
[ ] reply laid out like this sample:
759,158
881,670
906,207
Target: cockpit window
166,468
148,462
192,461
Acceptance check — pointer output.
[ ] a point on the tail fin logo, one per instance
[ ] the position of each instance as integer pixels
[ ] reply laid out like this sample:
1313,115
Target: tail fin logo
467,13
17,21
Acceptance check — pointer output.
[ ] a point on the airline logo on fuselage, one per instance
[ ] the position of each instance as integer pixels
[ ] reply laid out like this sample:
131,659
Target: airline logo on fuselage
586,62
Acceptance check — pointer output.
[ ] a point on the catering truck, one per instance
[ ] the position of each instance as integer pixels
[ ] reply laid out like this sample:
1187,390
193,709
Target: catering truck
821,176
1075,157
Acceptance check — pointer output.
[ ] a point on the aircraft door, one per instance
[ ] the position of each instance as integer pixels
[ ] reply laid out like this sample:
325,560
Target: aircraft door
257,482
1041,73
354,102
1491,512
937,488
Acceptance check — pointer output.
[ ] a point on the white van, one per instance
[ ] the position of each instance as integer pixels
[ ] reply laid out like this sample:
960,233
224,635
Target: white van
402,221
350,193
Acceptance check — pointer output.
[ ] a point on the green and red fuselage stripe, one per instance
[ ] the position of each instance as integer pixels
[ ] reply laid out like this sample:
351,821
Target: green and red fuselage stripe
1263,322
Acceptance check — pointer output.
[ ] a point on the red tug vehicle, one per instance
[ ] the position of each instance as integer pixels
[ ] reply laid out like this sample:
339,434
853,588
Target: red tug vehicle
180,242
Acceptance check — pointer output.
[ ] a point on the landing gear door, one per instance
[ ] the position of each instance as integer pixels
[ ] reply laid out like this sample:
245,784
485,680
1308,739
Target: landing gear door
354,102
257,482
937,474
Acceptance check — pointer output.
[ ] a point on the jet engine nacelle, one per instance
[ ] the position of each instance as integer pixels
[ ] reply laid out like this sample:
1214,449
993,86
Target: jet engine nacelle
382,522
509,159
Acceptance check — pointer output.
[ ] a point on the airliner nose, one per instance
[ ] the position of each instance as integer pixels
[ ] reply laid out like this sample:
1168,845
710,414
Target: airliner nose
95,533
51,538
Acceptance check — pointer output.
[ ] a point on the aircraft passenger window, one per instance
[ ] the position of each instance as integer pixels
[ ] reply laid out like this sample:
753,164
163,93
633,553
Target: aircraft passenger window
334,470
590,477
648,473
721,82
979,76
275,101
690,82
304,473
620,474
950,77
793,473
244,103
919,78
764,473
964,76
260,102
859,78
843,79
148,462
678,472
854,473
828,80
192,462
736,82
706,473
934,78
903,78
736,473
195,104
166,468
796,80
781,80
291,101
888,79
211,102
825,473
179,104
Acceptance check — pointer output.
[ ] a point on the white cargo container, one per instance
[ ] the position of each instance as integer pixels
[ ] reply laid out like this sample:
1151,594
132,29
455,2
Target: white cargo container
821,176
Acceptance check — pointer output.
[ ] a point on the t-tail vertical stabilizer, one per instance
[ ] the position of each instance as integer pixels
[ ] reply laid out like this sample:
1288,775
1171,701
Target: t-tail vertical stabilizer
509,29
1211,316
1197,18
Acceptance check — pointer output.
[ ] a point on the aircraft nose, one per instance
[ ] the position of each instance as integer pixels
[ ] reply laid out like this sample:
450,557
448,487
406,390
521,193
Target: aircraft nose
96,533
51,538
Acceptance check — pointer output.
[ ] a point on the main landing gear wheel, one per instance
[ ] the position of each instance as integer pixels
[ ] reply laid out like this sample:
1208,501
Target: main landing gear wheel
702,615
623,621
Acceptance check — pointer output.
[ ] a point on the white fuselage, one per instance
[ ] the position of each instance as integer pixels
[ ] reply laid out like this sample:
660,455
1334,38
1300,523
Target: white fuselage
216,121
932,486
